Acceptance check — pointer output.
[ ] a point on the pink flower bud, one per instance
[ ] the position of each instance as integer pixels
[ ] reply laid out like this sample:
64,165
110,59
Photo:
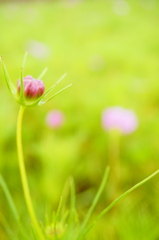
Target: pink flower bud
33,88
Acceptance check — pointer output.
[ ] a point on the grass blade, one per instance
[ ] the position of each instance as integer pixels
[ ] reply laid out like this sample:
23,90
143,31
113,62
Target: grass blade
72,202
7,228
12,206
72,211
117,200
34,235
94,203
9,198
56,218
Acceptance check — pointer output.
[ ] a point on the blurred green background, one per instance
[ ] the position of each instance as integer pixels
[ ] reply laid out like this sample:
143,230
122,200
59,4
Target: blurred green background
110,50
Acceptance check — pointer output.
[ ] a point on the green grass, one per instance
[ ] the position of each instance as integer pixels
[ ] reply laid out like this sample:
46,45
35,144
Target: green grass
111,60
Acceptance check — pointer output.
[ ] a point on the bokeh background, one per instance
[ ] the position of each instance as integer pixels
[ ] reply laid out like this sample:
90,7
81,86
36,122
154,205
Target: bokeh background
110,51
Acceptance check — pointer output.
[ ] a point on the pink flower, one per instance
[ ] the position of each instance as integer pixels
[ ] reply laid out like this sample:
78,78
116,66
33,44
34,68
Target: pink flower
119,118
55,119
33,88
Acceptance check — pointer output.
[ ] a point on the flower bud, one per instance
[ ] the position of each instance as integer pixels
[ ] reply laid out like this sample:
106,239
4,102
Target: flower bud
33,88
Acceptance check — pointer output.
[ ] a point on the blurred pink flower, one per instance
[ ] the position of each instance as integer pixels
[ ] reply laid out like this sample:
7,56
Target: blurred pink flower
55,119
119,118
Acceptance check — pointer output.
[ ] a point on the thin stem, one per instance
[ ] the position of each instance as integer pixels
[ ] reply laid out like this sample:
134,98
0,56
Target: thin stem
114,162
24,176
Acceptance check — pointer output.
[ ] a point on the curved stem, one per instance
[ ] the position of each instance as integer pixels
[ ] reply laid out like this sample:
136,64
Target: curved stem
24,176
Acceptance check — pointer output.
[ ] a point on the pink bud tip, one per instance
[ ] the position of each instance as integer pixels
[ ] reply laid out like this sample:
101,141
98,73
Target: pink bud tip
33,88
119,118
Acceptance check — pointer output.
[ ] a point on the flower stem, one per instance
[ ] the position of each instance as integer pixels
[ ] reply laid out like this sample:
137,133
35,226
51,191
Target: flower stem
24,176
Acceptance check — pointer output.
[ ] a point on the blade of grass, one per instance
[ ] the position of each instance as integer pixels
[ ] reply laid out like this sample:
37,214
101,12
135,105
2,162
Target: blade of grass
9,198
72,202
47,221
116,201
23,232
64,217
56,218
69,233
33,233
7,228
12,206
94,203
43,228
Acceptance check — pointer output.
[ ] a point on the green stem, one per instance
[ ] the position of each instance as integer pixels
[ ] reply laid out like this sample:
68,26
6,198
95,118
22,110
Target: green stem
114,163
94,203
24,176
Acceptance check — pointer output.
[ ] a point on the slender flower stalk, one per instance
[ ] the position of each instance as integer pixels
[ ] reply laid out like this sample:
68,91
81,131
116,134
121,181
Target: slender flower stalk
24,176
114,162
28,93
117,121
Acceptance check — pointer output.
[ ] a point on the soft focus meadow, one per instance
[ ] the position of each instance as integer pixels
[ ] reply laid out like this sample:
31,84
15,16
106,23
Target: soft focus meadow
110,52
